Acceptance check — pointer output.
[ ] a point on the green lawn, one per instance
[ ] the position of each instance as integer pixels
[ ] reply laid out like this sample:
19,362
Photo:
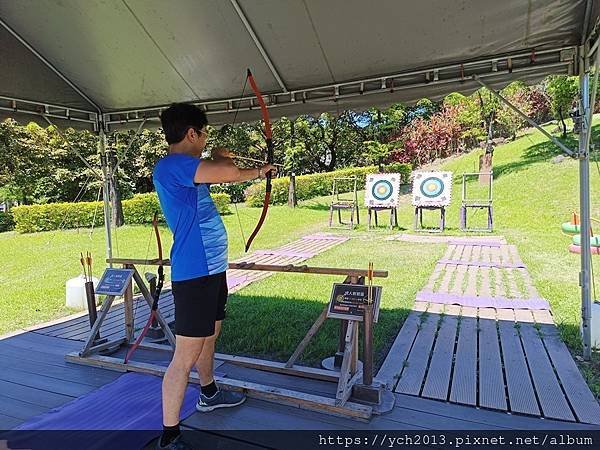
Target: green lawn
36,266
532,197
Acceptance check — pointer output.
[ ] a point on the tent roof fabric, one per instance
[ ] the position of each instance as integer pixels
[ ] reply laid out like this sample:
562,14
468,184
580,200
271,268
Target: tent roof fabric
126,59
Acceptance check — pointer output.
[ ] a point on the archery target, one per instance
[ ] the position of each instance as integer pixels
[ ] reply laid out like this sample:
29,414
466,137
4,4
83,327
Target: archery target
432,188
382,189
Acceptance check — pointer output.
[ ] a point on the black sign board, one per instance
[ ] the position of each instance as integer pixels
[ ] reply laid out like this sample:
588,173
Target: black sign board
348,301
114,281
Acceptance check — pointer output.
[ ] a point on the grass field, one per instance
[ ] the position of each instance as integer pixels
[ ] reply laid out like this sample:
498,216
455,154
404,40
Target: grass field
532,197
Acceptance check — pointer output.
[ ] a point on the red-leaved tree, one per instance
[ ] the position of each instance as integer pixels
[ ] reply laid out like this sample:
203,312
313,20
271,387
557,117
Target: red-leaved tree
423,141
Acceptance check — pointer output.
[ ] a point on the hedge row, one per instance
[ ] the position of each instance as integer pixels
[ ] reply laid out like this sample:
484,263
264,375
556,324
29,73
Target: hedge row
53,216
318,184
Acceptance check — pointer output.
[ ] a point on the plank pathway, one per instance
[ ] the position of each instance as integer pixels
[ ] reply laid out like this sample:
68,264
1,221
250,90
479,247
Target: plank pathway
77,328
480,334
36,379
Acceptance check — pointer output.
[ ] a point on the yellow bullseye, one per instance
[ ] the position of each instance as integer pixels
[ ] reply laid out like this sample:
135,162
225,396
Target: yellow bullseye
431,187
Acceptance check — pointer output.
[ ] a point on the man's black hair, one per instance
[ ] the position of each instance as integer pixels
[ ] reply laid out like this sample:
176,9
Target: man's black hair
178,118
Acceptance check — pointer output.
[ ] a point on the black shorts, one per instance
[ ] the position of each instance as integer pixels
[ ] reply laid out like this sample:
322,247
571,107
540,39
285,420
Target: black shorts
199,303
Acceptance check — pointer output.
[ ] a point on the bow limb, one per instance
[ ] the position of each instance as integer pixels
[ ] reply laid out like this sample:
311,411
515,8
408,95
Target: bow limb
269,140
155,294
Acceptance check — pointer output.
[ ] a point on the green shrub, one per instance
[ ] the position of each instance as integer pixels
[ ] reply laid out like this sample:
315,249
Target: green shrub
140,209
318,184
222,202
234,190
53,216
7,222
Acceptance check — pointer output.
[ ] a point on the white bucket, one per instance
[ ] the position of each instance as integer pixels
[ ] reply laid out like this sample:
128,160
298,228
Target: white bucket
75,292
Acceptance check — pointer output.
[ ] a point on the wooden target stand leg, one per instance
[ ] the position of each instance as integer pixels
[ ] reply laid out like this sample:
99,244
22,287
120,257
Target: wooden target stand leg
418,221
346,361
90,348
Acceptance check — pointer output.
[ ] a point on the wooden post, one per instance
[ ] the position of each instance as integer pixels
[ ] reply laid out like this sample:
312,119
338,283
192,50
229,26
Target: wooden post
313,330
128,305
354,361
96,328
339,355
368,345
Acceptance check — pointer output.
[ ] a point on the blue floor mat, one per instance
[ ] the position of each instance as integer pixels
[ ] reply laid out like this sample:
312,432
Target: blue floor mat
130,406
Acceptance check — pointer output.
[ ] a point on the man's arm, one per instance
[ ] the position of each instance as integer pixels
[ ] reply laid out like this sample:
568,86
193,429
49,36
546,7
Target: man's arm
249,174
220,170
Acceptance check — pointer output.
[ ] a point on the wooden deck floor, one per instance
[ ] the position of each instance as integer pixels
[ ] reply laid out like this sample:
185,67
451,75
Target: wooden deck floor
481,335
35,377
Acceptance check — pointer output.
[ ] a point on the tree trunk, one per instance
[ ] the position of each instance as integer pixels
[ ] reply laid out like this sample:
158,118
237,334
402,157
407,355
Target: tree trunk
485,166
562,122
485,160
292,199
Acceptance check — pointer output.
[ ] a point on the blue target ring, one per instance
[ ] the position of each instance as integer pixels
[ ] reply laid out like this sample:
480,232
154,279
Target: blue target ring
432,187
382,190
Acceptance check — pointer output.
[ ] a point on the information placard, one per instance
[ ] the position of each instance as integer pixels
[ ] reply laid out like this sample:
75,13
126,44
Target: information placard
114,282
348,301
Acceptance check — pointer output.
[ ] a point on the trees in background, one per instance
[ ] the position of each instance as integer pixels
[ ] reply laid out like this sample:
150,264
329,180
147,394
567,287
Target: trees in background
37,166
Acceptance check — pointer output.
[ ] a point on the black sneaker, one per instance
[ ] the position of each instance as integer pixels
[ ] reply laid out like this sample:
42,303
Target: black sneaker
176,444
222,399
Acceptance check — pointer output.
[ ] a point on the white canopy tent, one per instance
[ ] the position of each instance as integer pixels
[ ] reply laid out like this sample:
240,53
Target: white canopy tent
108,64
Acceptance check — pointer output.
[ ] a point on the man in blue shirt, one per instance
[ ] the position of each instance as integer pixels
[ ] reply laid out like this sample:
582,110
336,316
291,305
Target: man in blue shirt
198,259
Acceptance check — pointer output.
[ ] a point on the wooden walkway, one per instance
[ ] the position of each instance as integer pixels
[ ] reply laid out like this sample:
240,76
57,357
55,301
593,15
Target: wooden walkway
35,379
480,334
77,327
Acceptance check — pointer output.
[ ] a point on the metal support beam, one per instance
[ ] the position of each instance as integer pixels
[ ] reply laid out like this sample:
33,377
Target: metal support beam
48,64
531,122
29,107
556,60
135,136
73,149
258,44
105,192
586,111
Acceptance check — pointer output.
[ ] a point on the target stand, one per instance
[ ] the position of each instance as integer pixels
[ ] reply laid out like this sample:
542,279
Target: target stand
418,226
344,197
431,191
351,389
382,192
373,210
481,201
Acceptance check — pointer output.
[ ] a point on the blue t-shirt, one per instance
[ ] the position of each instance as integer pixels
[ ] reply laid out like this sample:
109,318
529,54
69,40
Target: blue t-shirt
199,236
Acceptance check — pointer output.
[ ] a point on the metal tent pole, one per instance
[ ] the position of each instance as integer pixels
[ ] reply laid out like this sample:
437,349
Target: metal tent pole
584,206
105,190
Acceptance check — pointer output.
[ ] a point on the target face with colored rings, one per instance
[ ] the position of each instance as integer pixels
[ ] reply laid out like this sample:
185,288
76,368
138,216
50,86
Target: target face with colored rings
382,190
432,187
